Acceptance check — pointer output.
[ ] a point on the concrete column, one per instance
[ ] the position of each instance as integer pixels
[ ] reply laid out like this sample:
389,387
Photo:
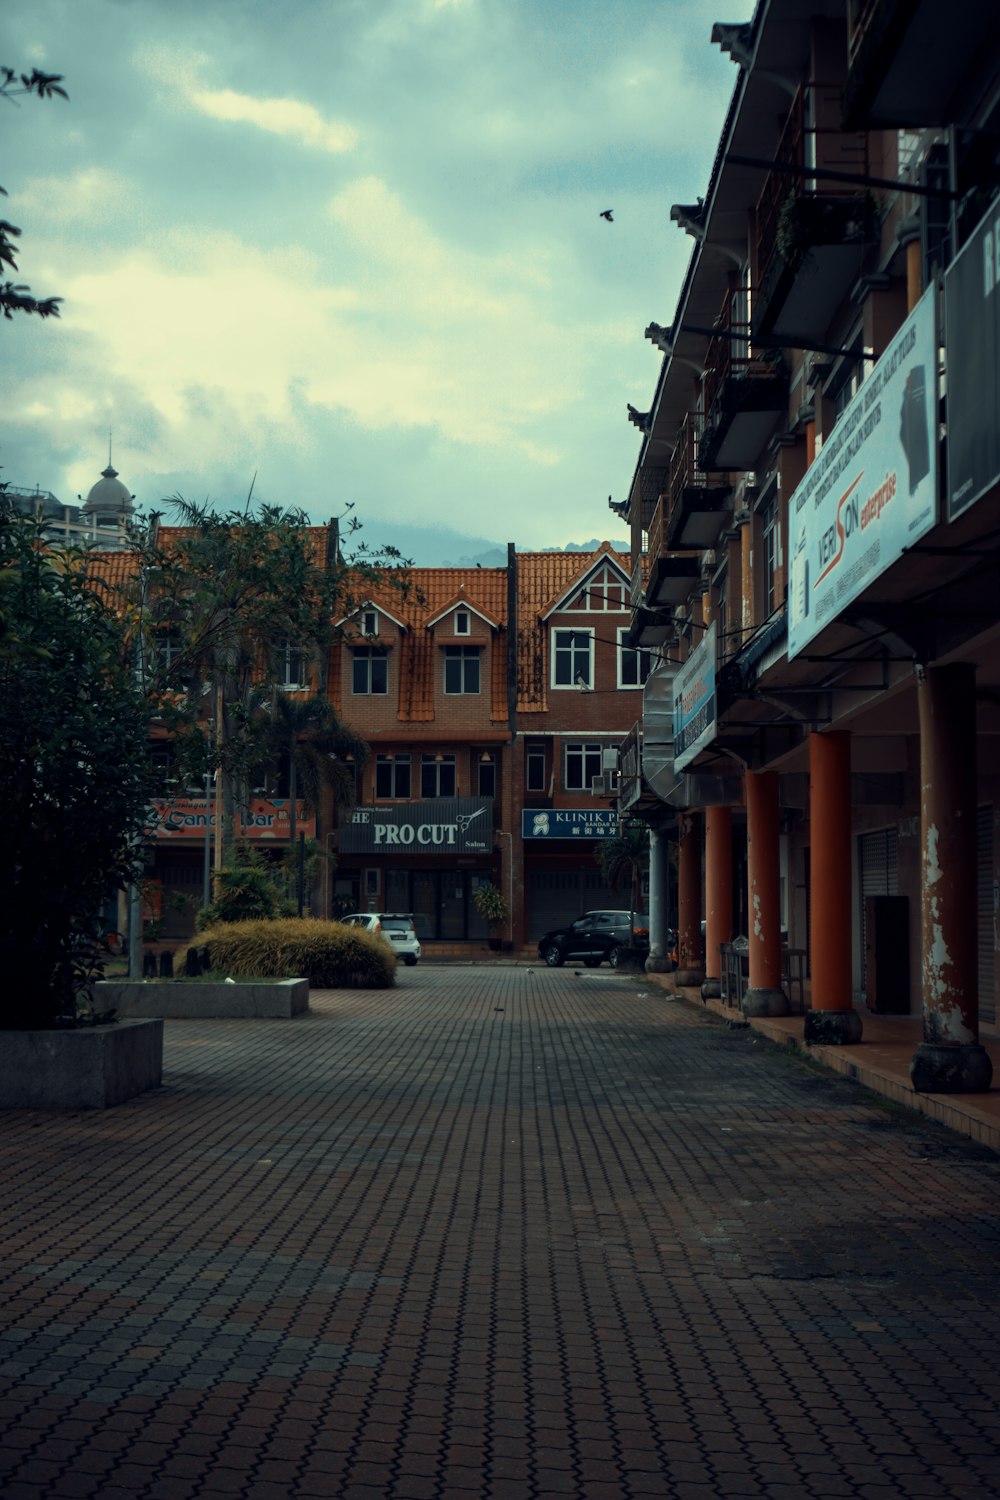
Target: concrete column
659,960
949,1060
914,274
718,895
764,997
832,1017
689,969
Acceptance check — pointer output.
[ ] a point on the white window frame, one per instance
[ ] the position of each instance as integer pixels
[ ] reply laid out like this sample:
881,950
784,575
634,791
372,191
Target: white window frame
394,763
594,597
463,622
293,658
574,648
641,659
369,622
591,756
438,766
463,655
368,655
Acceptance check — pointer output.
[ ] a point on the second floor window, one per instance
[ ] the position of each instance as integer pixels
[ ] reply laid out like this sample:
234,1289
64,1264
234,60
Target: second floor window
571,658
487,774
371,669
583,763
392,776
437,776
534,768
461,669
633,666
292,672
770,535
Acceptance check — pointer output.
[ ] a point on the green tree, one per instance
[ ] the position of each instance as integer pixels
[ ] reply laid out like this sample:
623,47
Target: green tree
74,772
14,297
320,752
306,735
624,860
222,605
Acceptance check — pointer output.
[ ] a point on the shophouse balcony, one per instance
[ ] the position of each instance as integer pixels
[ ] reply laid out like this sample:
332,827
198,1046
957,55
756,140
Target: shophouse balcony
640,573
746,391
672,577
812,240
908,59
697,501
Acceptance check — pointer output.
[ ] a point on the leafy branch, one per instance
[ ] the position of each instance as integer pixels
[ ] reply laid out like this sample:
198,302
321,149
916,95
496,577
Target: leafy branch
16,297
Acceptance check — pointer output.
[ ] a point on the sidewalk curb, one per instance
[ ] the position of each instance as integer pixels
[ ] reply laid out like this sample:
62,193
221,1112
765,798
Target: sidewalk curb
882,1068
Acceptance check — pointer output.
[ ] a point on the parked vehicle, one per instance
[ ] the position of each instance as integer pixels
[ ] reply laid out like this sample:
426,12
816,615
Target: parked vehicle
595,936
396,928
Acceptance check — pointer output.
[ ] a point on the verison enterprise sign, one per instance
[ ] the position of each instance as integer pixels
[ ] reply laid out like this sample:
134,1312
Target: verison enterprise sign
871,491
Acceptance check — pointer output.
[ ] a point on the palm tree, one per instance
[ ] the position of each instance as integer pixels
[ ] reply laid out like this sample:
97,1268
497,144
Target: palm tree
320,751
625,859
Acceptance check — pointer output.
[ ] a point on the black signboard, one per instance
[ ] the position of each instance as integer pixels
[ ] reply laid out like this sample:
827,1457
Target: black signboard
445,827
972,339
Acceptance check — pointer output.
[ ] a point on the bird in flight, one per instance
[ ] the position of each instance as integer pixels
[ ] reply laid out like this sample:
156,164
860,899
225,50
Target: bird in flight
608,214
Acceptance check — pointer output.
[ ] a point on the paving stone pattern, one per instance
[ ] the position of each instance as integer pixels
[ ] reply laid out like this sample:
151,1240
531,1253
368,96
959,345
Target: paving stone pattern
501,1232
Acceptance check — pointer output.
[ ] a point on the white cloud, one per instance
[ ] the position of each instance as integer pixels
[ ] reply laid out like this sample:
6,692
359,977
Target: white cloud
223,341
293,118
280,116
93,195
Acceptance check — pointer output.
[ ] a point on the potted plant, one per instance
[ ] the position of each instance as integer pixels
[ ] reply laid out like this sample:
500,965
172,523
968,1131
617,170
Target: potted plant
75,785
491,906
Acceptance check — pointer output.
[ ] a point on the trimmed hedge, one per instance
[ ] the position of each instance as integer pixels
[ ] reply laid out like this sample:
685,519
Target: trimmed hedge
330,955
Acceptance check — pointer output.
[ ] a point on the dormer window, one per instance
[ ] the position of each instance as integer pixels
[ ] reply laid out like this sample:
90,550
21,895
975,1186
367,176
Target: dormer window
369,622
462,624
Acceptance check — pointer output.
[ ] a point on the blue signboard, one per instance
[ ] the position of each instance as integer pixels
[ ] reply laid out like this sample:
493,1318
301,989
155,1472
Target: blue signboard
694,701
569,823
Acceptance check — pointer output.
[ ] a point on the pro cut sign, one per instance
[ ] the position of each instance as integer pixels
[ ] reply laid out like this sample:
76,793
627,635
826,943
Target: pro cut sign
872,490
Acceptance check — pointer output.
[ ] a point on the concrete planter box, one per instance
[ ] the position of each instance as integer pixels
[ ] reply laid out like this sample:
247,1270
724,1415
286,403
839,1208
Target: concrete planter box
91,1067
194,1000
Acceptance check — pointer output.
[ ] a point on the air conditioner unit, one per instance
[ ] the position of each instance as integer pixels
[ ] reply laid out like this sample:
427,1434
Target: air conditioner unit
609,759
597,785
611,780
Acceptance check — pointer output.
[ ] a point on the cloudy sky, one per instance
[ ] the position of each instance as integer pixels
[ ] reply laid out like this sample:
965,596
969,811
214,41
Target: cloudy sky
354,247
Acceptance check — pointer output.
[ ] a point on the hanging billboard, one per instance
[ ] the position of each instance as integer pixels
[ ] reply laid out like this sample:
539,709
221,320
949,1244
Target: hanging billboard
972,339
694,700
871,491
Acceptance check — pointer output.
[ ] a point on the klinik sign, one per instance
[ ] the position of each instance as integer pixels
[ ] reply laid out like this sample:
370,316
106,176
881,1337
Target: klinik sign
872,490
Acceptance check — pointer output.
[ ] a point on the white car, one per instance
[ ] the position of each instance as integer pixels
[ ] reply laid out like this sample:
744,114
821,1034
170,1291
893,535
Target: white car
396,928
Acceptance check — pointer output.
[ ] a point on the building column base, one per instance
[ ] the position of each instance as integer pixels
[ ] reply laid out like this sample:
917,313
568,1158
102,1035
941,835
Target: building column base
659,963
688,978
824,1028
711,989
951,1068
760,1002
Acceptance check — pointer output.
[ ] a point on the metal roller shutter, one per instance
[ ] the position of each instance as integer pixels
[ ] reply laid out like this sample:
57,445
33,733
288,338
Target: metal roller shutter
558,897
879,877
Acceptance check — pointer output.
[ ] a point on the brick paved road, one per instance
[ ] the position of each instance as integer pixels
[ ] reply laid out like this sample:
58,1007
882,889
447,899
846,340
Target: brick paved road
496,1233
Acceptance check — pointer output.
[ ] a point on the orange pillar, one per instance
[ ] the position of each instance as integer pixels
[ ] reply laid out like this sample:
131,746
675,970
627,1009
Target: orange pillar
764,997
718,894
832,1017
950,1059
689,968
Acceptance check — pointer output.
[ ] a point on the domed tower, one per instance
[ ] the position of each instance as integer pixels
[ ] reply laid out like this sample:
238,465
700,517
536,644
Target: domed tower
108,508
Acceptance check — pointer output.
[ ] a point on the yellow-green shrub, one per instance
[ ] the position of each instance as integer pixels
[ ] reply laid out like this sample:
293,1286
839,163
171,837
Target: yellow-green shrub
330,955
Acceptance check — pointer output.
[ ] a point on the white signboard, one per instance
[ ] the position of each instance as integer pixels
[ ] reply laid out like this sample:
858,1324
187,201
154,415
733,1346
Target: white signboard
694,700
872,489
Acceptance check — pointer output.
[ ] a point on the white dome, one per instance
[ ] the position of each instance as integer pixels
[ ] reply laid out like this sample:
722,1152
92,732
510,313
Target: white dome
109,497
